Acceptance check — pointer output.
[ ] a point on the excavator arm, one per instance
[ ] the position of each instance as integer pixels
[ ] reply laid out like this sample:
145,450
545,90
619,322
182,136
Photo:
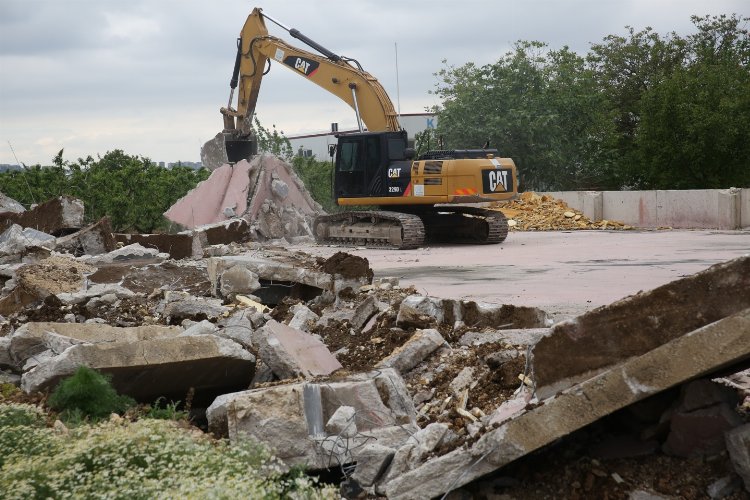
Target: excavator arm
338,75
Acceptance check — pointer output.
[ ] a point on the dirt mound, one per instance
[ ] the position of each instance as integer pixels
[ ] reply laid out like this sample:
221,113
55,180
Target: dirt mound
533,212
54,275
349,266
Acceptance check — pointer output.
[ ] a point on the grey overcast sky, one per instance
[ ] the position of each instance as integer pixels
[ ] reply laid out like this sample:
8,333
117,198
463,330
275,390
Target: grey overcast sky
149,76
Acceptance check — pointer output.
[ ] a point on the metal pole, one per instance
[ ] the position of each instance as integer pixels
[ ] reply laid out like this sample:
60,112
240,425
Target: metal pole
353,86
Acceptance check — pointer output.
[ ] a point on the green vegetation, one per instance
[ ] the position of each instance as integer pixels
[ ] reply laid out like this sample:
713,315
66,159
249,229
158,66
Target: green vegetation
639,111
131,190
135,460
87,394
161,410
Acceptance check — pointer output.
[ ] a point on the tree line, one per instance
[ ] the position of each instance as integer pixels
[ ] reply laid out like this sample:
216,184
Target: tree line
638,111
131,190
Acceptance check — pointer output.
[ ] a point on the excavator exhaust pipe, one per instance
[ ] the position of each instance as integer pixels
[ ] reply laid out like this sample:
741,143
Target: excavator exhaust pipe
240,149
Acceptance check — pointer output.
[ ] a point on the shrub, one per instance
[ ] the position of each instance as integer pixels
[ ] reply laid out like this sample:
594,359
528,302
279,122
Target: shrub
87,393
148,459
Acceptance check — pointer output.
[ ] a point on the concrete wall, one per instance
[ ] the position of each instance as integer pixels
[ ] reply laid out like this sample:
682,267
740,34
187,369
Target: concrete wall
695,208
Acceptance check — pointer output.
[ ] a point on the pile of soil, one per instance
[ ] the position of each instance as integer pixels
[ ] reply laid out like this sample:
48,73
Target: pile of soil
532,212
347,265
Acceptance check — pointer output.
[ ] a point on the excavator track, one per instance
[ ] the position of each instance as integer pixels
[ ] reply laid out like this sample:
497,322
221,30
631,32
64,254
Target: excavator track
373,229
459,224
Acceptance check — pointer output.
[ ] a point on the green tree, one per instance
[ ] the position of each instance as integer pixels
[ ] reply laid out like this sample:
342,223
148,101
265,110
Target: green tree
131,190
695,130
540,107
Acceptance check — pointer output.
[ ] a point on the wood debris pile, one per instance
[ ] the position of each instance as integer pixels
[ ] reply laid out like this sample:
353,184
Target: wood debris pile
534,212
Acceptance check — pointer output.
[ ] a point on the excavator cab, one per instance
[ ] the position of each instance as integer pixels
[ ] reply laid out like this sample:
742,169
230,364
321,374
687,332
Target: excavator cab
366,164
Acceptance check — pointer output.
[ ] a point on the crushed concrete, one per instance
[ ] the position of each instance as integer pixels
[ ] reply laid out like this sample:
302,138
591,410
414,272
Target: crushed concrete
624,384
411,396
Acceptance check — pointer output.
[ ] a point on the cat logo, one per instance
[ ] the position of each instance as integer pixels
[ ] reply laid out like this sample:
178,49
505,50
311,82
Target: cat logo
302,64
394,173
497,180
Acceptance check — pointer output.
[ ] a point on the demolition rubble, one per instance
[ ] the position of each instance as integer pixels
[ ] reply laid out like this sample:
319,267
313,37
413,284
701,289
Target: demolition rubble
401,395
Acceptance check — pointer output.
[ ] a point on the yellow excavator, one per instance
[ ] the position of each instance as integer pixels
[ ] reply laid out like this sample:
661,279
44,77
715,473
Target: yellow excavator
416,197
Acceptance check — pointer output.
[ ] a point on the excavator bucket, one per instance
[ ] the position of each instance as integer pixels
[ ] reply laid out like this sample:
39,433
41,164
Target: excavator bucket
240,149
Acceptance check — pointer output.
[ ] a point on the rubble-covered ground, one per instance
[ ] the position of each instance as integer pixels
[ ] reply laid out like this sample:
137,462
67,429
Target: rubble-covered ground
333,369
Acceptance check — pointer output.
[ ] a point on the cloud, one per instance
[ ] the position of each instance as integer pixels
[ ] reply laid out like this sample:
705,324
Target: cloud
95,75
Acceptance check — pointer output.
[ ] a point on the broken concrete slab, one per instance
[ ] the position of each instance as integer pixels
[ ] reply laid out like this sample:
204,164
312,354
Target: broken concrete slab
195,309
237,280
94,239
582,347
738,445
36,282
710,348
282,418
413,351
342,422
222,233
178,246
55,216
372,462
157,367
364,311
292,353
17,240
264,191
8,204
515,336
132,252
421,311
34,337
303,317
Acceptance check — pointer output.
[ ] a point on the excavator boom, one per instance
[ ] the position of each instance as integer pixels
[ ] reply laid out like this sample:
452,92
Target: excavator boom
339,75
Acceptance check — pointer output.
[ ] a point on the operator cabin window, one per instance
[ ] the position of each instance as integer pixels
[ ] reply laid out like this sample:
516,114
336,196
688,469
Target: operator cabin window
349,156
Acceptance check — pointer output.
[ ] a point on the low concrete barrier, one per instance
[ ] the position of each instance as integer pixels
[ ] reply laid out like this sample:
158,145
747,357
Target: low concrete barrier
694,208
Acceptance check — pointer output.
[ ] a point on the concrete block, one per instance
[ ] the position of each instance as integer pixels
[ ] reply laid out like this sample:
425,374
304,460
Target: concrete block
593,205
692,208
178,246
710,348
729,209
8,204
745,208
292,353
738,445
34,337
94,239
414,351
582,347
54,216
637,208
279,417
148,369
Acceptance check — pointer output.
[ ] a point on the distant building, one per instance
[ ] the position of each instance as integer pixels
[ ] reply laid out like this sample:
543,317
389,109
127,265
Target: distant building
196,165
317,145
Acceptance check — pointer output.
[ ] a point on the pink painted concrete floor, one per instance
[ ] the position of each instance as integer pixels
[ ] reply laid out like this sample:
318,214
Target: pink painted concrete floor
565,273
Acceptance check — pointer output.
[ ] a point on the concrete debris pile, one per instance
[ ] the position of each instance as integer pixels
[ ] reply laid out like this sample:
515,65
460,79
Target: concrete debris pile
404,395
532,212
265,192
